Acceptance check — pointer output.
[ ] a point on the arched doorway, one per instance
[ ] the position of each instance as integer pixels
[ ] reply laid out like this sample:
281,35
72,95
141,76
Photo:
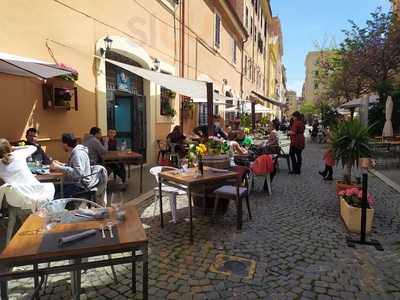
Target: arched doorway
126,103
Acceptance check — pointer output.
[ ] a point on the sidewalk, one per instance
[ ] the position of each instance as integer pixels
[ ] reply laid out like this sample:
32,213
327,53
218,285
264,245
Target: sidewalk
296,240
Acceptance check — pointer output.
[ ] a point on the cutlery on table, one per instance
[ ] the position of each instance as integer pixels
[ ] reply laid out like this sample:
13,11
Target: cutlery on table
103,234
109,225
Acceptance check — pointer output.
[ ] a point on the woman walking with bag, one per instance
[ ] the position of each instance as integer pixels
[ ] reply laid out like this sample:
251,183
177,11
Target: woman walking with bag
297,142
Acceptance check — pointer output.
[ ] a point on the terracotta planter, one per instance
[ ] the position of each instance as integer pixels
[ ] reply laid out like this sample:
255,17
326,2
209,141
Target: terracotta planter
217,161
351,217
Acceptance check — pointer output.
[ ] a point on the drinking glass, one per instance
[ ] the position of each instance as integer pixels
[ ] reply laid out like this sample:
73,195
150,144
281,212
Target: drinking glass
184,164
116,201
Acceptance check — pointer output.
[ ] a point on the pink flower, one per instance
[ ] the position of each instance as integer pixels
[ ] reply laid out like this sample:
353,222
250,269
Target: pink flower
359,194
342,193
349,192
371,200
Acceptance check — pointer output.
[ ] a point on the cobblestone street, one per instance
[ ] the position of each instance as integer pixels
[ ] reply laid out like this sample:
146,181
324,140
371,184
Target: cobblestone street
296,238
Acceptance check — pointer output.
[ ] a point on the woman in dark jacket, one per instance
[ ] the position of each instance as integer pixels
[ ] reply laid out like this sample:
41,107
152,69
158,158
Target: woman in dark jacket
297,142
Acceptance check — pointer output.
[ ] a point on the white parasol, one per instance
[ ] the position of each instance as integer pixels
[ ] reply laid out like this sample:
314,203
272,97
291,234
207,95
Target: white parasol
388,128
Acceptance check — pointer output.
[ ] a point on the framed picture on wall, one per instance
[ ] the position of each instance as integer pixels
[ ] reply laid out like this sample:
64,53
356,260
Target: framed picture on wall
124,83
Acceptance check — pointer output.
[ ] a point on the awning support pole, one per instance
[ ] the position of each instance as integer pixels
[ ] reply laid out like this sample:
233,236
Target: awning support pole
253,115
210,108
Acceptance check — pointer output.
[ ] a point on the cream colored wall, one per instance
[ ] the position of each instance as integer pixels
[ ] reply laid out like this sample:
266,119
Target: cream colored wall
71,34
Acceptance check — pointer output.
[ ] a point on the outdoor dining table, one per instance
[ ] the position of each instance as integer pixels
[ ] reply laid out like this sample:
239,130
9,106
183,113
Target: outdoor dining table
187,180
53,177
126,157
33,245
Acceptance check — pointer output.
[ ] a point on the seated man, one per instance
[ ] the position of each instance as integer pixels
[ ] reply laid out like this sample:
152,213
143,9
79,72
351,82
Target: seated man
96,148
202,131
32,135
77,170
117,168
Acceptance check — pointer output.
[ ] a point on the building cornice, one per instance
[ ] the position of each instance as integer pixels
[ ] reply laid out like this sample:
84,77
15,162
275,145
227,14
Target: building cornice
230,11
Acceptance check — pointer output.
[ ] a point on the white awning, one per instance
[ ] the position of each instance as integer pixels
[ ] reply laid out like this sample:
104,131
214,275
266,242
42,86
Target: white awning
23,66
258,108
195,89
357,102
218,99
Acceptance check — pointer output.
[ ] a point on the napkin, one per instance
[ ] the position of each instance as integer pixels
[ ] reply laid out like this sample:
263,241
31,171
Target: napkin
76,237
99,213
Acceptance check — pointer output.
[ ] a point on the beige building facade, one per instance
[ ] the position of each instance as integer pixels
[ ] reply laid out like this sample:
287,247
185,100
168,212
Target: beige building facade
292,101
203,39
311,88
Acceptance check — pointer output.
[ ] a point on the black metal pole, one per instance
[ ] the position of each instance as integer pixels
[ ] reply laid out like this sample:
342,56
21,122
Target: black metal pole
210,108
253,116
364,204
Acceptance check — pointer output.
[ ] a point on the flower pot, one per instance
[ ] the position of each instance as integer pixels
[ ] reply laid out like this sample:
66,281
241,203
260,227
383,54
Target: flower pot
351,217
341,185
217,161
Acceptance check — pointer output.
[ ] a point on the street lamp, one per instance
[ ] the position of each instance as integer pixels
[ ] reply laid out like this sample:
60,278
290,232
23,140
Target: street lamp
107,44
156,65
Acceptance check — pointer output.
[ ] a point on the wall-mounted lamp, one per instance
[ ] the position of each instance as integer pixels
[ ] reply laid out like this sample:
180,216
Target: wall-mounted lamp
107,44
116,103
156,65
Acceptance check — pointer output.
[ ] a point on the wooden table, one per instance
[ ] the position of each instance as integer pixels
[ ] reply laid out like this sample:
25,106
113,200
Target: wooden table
187,180
27,248
53,177
126,157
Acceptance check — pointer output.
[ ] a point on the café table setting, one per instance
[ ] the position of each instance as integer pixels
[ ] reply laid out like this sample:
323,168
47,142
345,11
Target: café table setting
189,178
56,234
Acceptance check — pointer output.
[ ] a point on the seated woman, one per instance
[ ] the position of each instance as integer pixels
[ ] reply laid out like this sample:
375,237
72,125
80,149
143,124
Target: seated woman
273,139
237,149
15,171
177,138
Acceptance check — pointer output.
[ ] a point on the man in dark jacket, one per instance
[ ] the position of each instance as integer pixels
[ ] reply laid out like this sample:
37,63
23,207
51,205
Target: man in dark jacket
32,135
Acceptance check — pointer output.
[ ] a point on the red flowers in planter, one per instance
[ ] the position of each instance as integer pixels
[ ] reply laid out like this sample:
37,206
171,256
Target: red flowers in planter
353,197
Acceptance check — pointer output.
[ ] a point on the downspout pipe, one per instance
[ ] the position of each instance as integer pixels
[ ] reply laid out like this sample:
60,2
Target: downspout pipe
182,58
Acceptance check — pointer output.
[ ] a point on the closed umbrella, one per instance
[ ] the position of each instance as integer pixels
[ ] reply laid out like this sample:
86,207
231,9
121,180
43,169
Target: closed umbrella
388,128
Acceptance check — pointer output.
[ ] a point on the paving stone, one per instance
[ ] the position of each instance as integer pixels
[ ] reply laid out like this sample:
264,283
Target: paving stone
296,238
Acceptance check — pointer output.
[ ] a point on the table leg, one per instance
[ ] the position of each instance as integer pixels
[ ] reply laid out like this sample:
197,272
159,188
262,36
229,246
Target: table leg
62,187
76,280
189,193
145,273
205,199
239,208
160,197
36,280
3,284
134,272
141,176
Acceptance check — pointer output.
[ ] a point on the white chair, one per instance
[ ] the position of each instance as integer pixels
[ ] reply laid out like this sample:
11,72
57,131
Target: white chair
21,212
170,191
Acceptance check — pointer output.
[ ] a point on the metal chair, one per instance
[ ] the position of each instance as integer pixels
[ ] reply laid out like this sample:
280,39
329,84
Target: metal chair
229,191
174,156
167,190
96,193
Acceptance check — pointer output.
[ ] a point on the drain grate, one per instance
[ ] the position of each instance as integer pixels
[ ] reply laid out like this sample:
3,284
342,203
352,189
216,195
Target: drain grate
233,265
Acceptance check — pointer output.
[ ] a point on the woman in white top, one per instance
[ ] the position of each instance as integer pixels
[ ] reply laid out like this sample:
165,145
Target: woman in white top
15,172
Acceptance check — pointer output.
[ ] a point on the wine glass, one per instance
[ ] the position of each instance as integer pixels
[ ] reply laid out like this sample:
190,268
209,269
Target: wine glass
184,164
116,201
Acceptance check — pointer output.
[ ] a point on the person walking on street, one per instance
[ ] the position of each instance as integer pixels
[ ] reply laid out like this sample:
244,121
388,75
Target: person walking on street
297,142
327,174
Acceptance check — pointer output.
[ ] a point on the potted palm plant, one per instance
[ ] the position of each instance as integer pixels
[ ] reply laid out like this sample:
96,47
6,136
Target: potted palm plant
349,141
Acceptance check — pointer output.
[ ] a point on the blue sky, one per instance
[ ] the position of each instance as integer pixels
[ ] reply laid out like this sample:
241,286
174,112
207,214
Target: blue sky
310,24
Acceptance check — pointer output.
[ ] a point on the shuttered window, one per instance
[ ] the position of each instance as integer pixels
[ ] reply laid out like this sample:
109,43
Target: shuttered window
217,39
